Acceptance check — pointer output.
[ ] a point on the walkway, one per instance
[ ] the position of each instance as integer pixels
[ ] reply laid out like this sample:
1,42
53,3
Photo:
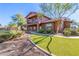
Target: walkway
67,36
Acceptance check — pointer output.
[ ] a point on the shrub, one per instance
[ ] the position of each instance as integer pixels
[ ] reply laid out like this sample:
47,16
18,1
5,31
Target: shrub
7,35
45,31
78,33
15,33
77,29
49,31
19,33
41,31
67,31
73,32
4,35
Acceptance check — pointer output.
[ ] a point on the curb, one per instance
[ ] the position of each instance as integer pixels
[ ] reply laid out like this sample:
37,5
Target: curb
46,52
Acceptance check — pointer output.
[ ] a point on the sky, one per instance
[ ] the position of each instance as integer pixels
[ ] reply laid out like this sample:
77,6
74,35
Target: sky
7,10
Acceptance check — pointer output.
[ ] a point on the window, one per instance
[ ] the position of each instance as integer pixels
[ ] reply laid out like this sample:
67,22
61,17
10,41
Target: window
30,28
40,27
34,28
49,26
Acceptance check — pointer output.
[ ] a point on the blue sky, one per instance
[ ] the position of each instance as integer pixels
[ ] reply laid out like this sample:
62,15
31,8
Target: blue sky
8,9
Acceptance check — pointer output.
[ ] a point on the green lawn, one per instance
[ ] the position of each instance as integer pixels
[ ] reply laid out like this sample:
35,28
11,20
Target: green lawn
57,45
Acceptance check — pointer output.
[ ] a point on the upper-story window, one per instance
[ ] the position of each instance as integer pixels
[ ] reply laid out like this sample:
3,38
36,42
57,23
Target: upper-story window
29,21
32,20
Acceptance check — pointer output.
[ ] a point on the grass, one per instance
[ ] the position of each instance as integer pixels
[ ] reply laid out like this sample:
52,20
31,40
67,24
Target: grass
57,45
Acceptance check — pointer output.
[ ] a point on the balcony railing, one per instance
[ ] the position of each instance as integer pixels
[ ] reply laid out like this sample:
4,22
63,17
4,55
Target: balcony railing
37,21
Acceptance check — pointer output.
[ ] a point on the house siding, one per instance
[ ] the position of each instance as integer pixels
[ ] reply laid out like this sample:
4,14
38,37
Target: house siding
35,23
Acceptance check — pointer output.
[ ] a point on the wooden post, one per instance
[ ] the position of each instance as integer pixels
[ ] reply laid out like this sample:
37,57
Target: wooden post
37,27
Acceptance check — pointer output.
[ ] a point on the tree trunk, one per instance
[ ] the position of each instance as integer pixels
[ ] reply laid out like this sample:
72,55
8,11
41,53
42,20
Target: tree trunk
57,30
58,26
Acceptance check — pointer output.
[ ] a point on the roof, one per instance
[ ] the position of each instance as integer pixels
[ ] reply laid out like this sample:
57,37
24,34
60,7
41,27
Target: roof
34,13
49,21
31,14
54,20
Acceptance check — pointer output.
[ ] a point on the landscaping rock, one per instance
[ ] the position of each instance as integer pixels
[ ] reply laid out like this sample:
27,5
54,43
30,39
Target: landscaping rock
20,47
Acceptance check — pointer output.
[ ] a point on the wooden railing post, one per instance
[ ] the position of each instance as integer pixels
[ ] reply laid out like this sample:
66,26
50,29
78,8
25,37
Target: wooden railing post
37,27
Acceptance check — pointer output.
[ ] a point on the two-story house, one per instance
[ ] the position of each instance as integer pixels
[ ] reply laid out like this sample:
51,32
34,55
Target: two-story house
34,23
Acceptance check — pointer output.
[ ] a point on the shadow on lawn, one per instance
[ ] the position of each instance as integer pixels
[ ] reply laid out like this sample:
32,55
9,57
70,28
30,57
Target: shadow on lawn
43,38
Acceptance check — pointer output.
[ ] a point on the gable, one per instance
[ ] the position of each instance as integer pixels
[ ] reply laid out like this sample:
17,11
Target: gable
31,14
34,14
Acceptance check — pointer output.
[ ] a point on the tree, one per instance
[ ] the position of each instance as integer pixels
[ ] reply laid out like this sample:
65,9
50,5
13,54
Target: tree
19,20
40,15
12,25
0,25
58,10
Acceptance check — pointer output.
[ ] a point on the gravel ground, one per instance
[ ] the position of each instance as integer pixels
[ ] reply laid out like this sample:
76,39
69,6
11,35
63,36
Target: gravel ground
20,47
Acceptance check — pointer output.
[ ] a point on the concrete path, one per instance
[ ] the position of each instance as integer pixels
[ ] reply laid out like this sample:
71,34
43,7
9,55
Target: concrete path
67,37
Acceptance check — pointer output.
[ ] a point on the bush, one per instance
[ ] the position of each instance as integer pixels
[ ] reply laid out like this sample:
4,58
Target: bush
67,31
77,29
73,32
19,33
49,31
41,31
15,33
78,33
7,35
45,31
4,35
